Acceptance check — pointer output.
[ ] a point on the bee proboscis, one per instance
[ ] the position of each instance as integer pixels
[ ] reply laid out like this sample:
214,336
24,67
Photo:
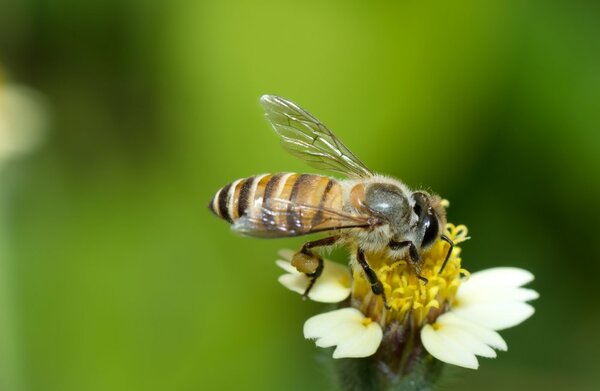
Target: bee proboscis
367,212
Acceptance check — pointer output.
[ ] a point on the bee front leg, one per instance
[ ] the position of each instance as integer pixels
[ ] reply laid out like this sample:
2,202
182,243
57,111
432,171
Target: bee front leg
376,285
309,263
413,255
451,243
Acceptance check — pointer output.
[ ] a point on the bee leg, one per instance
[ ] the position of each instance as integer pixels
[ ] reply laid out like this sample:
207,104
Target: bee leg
399,245
415,258
451,243
309,263
376,285
413,255
313,278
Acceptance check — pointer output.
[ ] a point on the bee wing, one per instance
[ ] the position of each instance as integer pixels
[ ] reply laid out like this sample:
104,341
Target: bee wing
306,137
283,218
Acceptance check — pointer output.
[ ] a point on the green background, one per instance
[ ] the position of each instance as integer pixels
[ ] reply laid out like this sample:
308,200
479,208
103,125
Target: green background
118,278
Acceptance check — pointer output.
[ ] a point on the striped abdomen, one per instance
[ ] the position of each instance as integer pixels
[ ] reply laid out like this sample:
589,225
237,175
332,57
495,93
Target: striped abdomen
235,199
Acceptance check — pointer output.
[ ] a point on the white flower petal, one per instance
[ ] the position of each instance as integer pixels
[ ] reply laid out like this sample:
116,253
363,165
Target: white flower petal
524,294
343,326
363,344
314,327
332,286
443,346
494,294
498,277
347,328
458,330
287,266
467,340
487,336
294,282
494,299
337,333
495,316
286,254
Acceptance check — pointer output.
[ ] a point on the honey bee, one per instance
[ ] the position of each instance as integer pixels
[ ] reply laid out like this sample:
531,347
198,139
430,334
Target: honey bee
369,213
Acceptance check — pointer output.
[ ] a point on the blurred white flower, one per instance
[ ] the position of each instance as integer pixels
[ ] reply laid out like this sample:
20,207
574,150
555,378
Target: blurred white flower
22,120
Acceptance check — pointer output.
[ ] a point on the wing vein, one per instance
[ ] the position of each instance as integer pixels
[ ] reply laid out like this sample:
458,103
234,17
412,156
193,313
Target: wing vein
307,138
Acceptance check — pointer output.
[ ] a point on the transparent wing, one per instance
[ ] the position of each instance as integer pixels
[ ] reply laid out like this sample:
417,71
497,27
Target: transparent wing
306,137
283,218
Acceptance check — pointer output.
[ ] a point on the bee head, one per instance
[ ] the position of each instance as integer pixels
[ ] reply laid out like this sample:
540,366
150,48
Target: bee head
432,217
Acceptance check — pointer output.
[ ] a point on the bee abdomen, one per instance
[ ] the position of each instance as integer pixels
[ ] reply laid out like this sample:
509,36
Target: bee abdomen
234,200
222,203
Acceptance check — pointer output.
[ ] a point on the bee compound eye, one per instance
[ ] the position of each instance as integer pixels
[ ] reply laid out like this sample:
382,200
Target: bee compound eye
419,203
432,228
417,209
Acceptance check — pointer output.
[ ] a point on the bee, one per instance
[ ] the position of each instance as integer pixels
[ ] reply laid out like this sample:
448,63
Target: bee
367,212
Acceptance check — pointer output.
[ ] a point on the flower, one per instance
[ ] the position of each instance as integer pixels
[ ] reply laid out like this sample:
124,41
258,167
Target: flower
22,120
454,317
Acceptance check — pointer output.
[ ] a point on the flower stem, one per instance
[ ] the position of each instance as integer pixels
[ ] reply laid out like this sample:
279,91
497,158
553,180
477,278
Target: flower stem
400,365
367,374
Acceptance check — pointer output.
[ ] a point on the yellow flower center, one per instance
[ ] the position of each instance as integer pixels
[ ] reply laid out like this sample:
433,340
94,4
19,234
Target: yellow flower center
408,296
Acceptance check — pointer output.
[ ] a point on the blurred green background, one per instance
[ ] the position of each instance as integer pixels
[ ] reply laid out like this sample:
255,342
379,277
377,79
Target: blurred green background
116,276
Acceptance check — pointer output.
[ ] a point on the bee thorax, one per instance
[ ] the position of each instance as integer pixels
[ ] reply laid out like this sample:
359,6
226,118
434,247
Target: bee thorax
392,203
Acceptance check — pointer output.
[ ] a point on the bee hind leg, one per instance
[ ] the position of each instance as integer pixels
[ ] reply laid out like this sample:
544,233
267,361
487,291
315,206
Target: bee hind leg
376,285
309,263
313,278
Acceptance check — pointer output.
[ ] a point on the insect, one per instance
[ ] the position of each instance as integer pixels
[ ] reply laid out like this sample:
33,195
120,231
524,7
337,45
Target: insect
367,212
